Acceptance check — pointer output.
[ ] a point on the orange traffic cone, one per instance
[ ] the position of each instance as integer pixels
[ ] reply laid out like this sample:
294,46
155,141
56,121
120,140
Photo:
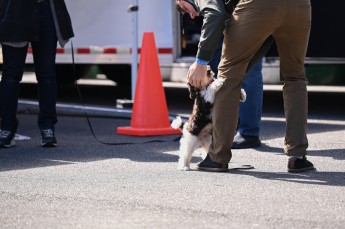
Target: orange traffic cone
150,113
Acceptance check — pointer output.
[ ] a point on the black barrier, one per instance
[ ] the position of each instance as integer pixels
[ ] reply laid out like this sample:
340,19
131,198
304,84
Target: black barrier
327,36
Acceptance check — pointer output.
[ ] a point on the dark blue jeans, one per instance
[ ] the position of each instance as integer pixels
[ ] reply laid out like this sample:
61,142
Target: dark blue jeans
44,53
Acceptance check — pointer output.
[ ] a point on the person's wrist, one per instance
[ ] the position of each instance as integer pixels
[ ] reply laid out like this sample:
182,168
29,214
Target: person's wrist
200,61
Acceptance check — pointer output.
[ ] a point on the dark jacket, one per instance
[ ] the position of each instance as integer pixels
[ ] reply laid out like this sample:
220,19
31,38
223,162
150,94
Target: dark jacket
19,20
214,14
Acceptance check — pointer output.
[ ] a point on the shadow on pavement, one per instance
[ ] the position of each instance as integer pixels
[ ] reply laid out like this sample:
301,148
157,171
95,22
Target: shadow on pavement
310,177
77,145
337,154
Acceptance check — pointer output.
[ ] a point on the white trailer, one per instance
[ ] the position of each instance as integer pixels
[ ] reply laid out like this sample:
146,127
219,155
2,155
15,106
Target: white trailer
103,38
103,35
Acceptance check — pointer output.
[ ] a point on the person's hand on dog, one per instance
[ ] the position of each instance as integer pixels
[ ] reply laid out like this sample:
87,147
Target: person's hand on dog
197,75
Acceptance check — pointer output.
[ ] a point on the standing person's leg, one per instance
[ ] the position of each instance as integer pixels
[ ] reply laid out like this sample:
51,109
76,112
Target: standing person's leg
292,42
242,39
250,111
44,52
12,73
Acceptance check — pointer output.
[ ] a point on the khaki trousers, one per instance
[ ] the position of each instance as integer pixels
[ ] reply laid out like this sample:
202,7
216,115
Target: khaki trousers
289,22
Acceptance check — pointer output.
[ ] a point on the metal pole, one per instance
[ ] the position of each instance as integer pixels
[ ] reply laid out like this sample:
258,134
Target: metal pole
134,70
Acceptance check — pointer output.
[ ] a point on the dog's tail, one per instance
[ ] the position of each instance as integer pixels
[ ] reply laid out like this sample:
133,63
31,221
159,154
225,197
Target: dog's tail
177,123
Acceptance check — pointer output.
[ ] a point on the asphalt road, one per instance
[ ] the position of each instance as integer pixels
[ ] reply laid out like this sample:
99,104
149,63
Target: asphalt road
85,184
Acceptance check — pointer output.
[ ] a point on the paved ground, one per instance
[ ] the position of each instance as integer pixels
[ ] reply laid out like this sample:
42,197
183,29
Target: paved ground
85,184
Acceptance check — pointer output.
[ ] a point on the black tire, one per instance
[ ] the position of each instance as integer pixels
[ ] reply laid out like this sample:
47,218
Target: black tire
65,73
119,73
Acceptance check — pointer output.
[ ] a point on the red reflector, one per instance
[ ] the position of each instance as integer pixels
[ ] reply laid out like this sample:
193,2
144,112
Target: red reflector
110,51
164,50
60,50
83,51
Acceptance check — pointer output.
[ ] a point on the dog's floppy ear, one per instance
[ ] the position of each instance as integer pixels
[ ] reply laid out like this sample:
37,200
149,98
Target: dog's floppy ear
192,91
210,74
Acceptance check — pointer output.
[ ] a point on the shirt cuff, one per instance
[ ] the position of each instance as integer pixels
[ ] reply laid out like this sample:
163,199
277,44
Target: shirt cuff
202,62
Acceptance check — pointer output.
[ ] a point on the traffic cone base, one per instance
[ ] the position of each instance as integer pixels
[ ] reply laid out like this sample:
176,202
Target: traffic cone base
147,132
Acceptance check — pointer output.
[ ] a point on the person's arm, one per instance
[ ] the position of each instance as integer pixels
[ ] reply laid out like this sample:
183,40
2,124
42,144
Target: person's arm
214,14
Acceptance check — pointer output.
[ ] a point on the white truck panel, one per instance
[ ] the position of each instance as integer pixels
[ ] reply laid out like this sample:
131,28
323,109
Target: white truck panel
107,23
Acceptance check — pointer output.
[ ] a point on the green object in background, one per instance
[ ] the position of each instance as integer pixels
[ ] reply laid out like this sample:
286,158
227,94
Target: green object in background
325,74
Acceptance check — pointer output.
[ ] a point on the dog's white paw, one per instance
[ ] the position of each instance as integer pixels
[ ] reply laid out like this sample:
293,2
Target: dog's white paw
177,123
212,90
217,84
183,168
183,165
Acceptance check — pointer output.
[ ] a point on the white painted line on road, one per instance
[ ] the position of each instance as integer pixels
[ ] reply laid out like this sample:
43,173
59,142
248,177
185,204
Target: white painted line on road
319,121
19,137
61,161
60,105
